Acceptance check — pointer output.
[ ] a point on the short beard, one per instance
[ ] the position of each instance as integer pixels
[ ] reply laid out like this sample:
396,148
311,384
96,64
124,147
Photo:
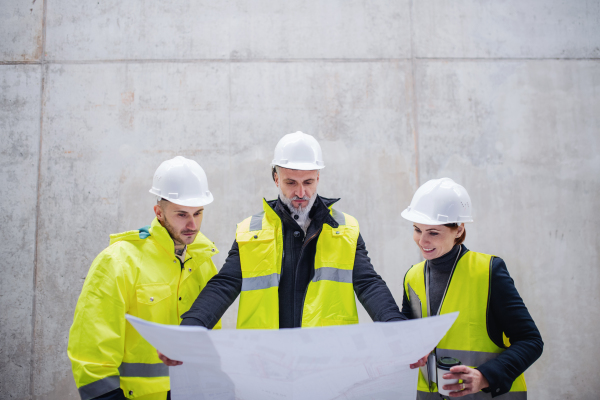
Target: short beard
177,239
302,212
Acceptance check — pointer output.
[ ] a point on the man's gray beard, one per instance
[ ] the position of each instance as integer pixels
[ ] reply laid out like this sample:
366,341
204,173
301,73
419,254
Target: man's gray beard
302,212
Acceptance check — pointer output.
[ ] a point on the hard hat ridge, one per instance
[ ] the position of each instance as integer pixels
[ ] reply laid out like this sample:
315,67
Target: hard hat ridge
181,181
438,202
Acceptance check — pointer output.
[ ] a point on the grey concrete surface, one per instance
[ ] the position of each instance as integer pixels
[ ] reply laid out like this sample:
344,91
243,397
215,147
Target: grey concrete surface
21,30
19,158
184,29
535,195
511,28
397,92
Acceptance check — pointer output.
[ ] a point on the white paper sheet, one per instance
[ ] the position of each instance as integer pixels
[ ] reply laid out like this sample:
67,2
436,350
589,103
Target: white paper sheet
366,361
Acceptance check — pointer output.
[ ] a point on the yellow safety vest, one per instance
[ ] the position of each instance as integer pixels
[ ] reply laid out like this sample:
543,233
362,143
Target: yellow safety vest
329,297
468,339
138,274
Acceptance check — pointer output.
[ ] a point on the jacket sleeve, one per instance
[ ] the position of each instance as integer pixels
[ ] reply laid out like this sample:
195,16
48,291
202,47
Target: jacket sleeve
508,314
97,336
219,293
371,290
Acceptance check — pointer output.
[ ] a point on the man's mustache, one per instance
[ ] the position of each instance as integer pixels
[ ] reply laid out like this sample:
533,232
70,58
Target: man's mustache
298,198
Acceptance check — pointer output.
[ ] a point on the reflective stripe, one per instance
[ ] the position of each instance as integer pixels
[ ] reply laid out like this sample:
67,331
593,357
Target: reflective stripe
333,274
415,303
470,358
99,388
143,370
428,396
260,282
256,221
339,216
475,396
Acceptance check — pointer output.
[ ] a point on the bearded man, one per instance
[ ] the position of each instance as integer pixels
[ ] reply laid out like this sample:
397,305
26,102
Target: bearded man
154,273
297,263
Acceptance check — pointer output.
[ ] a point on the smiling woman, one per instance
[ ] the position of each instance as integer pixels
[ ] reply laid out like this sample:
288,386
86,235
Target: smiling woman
437,240
494,336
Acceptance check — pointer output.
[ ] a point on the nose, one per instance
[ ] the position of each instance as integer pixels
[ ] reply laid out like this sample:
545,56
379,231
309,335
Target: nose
192,225
422,241
302,191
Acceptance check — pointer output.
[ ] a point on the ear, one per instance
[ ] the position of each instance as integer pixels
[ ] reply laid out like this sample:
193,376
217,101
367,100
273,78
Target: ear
158,212
276,178
460,230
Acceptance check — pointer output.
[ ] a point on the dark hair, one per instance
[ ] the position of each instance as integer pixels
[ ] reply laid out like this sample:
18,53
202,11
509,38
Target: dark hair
461,238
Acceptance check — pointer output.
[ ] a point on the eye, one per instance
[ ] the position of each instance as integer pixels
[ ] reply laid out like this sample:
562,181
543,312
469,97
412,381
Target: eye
433,233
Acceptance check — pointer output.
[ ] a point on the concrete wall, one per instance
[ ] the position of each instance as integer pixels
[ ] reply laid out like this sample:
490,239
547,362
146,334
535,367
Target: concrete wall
503,96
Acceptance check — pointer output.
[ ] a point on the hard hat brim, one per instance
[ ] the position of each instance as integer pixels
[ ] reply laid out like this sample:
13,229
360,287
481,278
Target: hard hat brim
419,218
193,202
298,166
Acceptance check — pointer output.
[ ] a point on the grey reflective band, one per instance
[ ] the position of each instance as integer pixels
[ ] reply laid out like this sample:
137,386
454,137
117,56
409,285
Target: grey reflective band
260,282
339,216
143,370
98,388
256,221
333,274
415,303
474,396
469,358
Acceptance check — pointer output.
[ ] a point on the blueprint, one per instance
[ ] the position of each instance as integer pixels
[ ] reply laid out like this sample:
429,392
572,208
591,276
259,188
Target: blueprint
352,362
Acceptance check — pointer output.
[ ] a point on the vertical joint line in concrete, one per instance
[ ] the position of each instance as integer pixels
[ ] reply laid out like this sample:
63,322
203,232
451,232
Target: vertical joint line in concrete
415,109
37,207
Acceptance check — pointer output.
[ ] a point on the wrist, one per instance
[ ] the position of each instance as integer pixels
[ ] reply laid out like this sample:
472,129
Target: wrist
484,381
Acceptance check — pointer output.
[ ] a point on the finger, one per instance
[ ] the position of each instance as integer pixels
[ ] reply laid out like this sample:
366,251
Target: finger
417,365
454,387
460,369
454,376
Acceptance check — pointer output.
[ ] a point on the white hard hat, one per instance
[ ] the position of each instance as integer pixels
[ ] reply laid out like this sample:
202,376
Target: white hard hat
439,202
181,181
298,151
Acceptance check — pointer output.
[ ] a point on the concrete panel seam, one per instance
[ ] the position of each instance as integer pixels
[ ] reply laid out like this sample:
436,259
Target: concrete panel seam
220,60
415,116
37,206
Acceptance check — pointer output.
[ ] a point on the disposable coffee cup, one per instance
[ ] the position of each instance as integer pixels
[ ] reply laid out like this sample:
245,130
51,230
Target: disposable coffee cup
443,367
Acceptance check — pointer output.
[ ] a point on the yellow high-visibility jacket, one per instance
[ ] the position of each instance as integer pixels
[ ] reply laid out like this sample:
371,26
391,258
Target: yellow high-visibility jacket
468,339
138,274
329,298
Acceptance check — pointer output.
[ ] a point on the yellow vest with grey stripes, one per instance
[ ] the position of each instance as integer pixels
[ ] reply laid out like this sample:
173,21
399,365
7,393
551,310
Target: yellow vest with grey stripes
467,340
329,298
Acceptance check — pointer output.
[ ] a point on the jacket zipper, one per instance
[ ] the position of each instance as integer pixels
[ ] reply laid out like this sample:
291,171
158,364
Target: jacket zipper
312,276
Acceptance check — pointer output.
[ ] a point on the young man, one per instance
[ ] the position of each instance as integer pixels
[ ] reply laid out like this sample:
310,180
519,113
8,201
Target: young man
154,273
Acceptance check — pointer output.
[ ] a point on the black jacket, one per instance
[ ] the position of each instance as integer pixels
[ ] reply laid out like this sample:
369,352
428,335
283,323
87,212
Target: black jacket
297,269
506,314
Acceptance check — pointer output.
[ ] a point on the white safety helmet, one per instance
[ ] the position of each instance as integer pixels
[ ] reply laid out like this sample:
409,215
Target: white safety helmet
439,202
298,151
183,182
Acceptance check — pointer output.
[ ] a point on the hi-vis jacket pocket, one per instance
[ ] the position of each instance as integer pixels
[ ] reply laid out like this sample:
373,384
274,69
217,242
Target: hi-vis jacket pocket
153,293
258,250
